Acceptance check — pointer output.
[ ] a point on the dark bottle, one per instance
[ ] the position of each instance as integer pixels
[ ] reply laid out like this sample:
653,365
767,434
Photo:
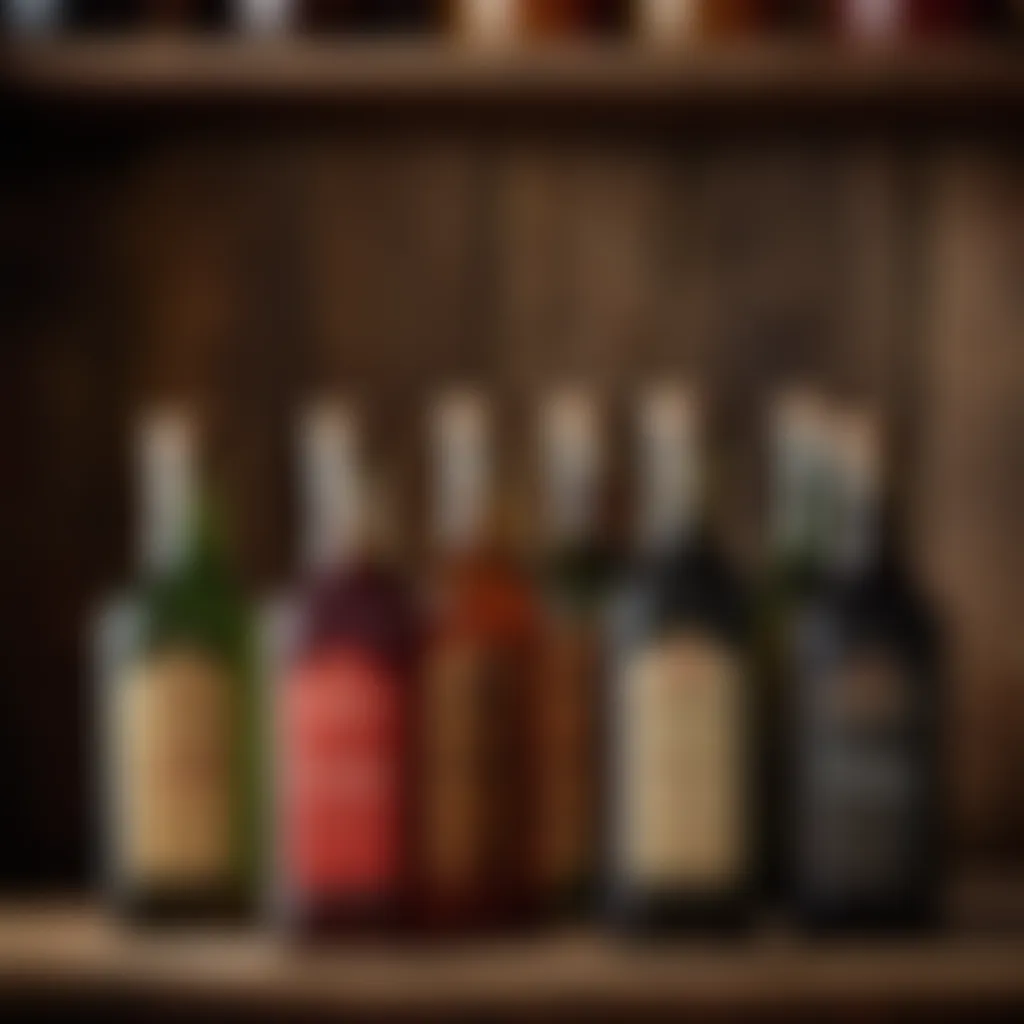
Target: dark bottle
389,17
179,708
341,706
32,18
576,574
800,516
1001,20
474,766
679,714
867,720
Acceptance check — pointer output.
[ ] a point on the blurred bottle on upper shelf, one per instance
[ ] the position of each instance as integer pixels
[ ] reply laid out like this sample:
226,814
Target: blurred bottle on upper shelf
577,570
369,16
506,21
474,764
866,848
697,21
904,21
264,17
1001,20
29,18
117,15
177,714
341,662
680,701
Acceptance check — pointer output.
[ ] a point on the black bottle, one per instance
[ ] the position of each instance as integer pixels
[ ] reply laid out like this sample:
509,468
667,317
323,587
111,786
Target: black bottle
866,722
679,707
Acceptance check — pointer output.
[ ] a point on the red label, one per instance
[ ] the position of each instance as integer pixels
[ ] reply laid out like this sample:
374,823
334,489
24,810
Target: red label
341,775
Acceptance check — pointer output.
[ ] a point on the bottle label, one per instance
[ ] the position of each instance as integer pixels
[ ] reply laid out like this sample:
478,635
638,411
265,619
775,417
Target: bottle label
469,757
863,787
175,771
683,798
341,775
565,751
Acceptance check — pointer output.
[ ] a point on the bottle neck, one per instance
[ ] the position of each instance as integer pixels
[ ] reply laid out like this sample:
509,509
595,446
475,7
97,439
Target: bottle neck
168,490
334,492
571,464
798,515
670,479
858,527
462,471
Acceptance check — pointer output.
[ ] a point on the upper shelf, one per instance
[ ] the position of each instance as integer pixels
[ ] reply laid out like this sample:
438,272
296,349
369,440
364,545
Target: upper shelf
814,75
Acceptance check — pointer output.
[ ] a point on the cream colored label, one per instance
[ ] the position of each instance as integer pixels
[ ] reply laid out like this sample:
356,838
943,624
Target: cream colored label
683,796
174,729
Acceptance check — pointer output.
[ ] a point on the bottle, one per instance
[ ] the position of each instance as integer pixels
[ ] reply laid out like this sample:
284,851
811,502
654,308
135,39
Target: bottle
800,521
491,22
873,21
341,706
178,707
680,844
577,570
264,17
31,18
474,765
393,17
867,719
666,22
166,14
679,21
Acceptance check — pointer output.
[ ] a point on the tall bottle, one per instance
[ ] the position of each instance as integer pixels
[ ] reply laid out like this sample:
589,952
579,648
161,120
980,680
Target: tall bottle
577,569
800,517
680,848
178,705
867,719
474,766
341,706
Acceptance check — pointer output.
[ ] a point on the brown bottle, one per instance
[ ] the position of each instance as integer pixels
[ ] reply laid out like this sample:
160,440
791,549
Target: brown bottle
473,800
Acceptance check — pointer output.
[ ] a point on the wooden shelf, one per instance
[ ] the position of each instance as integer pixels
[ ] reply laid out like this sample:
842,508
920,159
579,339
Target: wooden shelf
74,952
165,67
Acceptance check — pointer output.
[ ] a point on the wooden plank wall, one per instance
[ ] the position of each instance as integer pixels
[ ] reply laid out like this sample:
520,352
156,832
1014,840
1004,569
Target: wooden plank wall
242,262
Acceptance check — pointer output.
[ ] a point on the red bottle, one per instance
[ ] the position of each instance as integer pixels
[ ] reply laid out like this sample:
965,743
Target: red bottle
473,762
341,710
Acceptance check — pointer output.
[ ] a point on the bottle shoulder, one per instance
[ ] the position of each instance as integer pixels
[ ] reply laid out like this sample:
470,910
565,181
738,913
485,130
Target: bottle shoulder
367,604
690,587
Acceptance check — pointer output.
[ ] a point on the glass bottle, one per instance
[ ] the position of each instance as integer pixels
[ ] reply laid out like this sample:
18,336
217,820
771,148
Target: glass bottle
800,519
474,767
341,704
178,706
679,701
867,848
577,570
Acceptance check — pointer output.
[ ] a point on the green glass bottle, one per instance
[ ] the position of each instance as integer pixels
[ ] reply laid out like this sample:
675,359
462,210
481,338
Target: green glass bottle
577,569
801,512
180,710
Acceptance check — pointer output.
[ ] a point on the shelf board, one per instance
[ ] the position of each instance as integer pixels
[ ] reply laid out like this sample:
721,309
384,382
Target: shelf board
174,68
73,950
